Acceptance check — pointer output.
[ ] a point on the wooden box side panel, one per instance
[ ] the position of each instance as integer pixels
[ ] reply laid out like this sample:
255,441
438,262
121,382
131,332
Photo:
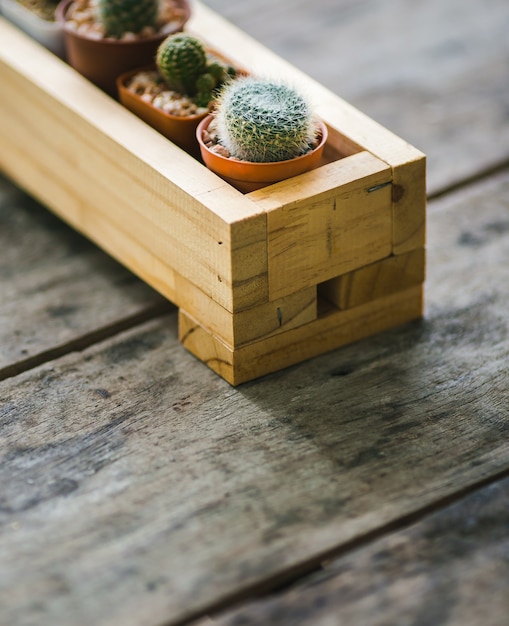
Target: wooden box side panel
340,221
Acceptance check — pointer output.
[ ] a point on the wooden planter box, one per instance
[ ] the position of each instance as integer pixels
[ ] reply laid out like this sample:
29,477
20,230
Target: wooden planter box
262,280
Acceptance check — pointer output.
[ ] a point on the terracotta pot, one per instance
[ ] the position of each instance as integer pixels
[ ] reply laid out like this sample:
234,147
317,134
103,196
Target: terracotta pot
48,34
103,60
247,176
177,128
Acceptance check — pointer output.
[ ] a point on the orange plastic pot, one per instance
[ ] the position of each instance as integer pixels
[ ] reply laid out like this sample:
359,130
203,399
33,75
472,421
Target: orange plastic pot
103,60
181,129
247,176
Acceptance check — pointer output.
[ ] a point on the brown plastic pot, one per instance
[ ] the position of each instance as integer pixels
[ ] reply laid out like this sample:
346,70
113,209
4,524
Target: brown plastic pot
247,176
103,60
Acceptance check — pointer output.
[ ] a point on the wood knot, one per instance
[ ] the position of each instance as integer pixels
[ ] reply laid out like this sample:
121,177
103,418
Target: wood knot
397,193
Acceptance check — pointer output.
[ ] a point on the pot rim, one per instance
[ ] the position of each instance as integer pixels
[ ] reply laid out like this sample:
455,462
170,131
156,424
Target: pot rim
203,125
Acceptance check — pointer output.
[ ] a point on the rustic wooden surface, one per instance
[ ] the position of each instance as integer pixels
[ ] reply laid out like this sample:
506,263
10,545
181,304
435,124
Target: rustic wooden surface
367,486
53,298
450,567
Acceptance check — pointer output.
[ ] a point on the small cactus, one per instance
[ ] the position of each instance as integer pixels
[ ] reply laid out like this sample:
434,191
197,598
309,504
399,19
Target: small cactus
261,121
185,67
127,16
181,59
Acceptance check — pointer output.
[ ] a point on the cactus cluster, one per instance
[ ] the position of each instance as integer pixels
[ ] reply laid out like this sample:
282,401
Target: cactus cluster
260,120
127,16
183,63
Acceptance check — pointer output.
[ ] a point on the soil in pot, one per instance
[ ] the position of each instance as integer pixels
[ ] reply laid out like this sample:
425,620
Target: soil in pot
102,59
247,176
175,116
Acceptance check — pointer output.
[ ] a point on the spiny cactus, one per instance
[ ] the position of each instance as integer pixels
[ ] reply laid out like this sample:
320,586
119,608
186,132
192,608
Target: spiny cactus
262,121
181,59
127,16
183,63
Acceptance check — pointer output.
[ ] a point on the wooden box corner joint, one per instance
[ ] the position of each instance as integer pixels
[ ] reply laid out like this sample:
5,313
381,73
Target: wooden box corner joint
262,280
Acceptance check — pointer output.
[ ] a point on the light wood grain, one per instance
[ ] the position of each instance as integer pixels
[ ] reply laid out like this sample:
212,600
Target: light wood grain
433,72
450,568
409,207
259,322
139,488
334,226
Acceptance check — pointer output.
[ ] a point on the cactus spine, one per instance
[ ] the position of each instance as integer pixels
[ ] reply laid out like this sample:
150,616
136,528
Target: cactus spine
127,16
182,62
261,121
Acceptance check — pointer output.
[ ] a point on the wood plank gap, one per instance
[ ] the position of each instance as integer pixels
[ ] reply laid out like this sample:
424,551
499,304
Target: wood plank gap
480,176
86,340
285,580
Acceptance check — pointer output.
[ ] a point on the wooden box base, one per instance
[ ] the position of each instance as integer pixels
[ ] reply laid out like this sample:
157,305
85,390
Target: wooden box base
262,280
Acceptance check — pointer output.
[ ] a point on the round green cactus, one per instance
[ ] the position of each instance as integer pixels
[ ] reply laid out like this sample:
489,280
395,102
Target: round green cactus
127,16
186,68
181,60
261,121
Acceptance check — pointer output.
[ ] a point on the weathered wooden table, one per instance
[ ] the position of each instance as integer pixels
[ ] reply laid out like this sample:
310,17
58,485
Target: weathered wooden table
368,486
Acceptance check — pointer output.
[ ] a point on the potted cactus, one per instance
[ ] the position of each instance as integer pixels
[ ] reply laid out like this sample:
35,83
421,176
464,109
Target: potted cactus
37,19
261,132
104,38
176,93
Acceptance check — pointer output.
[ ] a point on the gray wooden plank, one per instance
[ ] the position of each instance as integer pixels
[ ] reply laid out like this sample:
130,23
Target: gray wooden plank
136,487
449,569
55,287
434,72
